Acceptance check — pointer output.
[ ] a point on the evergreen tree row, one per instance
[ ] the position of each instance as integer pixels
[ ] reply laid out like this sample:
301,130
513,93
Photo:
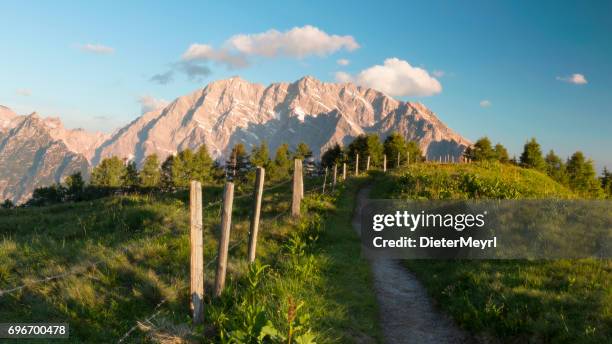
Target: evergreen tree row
577,172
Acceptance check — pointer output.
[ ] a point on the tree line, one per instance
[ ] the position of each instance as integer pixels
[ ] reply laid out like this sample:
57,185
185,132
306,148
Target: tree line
577,172
114,175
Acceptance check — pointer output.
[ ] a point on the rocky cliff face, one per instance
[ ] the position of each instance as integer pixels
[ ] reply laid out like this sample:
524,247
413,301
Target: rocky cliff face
31,156
321,114
38,152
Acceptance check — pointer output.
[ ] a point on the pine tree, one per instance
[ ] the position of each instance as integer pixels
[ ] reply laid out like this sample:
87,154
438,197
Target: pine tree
109,173
238,164
282,163
302,151
150,175
74,186
202,166
606,181
130,178
482,150
260,155
167,182
394,144
532,156
366,145
183,166
502,153
581,175
332,156
555,168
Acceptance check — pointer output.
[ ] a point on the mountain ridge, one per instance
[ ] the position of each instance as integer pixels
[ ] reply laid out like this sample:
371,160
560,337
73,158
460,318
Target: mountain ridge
220,115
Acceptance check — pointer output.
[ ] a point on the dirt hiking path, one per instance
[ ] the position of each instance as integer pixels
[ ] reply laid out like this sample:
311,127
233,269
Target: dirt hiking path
407,315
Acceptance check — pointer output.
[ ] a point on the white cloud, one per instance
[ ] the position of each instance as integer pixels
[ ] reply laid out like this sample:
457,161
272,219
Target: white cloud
205,53
438,73
24,92
485,103
298,42
396,78
343,62
576,78
97,49
148,103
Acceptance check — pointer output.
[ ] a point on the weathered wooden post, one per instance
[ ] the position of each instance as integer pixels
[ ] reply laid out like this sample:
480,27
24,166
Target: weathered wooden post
197,253
226,223
325,180
385,163
298,185
356,165
344,171
408,158
368,164
335,176
259,184
398,159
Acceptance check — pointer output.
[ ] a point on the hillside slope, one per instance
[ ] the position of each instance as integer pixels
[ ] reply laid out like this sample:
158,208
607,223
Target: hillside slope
509,301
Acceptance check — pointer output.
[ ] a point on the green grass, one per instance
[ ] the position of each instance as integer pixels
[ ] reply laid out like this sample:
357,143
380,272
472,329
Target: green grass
514,301
140,248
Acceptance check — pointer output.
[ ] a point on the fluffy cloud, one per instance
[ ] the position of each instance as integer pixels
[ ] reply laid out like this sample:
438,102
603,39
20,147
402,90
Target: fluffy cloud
298,42
97,49
396,78
237,51
24,92
148,103
205,53
576,79
343,62
485,103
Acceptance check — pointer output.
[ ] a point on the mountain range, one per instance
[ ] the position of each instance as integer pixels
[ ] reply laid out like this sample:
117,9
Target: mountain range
36,151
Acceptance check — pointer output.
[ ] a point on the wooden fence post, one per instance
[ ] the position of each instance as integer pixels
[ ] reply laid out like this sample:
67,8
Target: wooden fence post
356,165
298,188
398,159
408,158
325,180
197,253
259,184
368,164
385,163
226,223
335,176
344,171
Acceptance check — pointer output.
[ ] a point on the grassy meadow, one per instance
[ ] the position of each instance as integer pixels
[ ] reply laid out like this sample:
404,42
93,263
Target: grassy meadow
122,263
514,301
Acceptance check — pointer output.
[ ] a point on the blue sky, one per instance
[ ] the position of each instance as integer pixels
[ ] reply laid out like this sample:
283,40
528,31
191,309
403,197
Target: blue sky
517,57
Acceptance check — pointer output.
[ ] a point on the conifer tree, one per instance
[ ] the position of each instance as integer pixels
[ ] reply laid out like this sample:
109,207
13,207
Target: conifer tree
532,156
130,178
150,175
502,153
302,151
260,155
238,165
74,186
282,163
555,168
109,173
482,150
332,156
166,180
581,175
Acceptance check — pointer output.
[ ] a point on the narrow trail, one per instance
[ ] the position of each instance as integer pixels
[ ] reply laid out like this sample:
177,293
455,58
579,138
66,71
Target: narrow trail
407,314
